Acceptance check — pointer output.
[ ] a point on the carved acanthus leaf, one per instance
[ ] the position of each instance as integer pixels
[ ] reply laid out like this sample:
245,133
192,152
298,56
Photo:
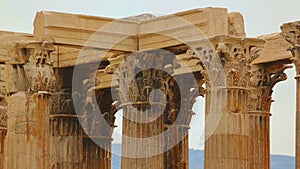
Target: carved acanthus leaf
275,74
97,109
211,67
262,81
290,36
235,61
62,103
291,33
142,73
31,66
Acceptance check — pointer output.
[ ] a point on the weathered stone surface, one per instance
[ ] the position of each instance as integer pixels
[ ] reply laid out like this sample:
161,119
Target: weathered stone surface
65,133
227,145
291,33
44,125
30,67
76,30
9,37
275,49
262,80
26,143
3,128
236,24
140,18
142,99
177,118
73,31
185,26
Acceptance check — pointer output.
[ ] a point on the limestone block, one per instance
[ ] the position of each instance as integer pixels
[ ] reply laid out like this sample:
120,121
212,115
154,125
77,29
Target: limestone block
158,32
76,30
236,24
9,37
275,49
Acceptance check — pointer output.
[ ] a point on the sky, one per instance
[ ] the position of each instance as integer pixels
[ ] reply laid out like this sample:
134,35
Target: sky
261,17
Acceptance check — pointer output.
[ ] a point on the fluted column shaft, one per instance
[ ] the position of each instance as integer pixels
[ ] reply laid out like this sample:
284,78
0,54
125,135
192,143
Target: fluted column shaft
298,120
297,64
259,140
3,129
142,147
97,156
2,138
178,156
263,79
182,96
142,91
65,133
26,145
291,32
99,127
28,82
297,55
227,146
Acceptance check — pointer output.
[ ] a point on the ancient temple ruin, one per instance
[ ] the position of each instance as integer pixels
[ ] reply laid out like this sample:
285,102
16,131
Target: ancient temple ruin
62,85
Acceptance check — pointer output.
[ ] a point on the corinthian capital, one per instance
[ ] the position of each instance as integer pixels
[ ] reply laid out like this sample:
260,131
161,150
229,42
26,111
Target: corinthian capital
142,73
291,32
235,55
30,66
262,80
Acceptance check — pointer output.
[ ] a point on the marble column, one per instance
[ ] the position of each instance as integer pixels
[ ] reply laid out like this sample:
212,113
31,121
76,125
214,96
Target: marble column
2,137
29,80
262,80
177,117
65,133
143,99
259,140
291,32
96,156
97,139
3,128
226,145
142,151
297,141
26,145
177,157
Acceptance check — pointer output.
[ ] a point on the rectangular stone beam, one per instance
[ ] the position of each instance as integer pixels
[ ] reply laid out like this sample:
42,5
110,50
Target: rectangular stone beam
8,37
275,49
160,32
73,29
67,56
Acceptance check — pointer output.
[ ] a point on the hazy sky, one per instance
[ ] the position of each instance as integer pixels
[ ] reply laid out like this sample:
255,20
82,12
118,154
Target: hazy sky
261,17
